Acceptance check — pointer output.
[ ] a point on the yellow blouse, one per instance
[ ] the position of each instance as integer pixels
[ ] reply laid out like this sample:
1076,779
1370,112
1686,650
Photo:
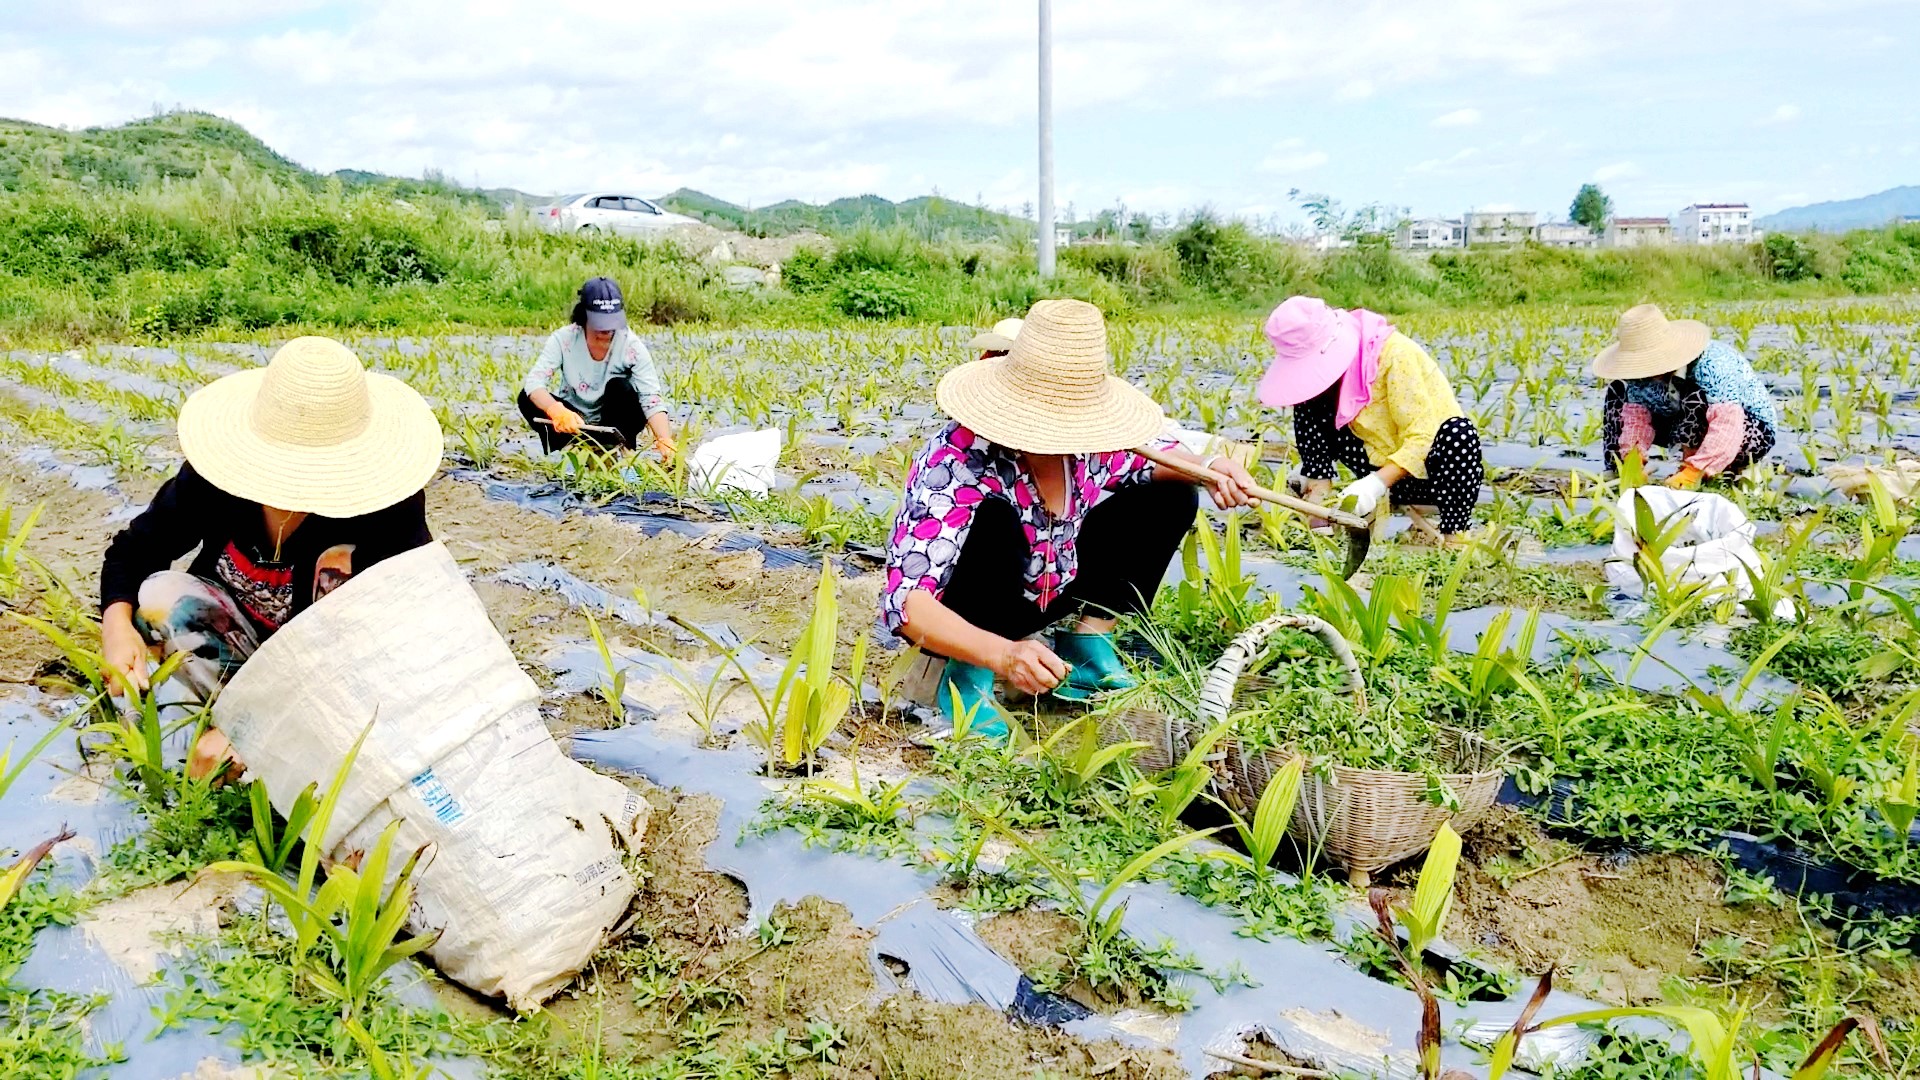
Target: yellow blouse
1411,399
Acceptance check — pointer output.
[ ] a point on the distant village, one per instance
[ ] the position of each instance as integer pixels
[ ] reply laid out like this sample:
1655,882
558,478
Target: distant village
1700,223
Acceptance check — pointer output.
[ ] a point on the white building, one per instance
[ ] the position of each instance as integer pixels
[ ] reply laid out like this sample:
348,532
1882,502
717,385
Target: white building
1714,223
1565,234
1498,226
1626,232
1426,233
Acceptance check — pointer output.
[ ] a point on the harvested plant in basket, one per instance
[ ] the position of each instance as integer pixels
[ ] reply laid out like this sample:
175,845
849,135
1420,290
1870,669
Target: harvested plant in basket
1383,773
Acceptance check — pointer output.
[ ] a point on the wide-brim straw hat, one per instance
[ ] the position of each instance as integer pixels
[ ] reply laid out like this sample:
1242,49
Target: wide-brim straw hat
1648,344
312,432
1054,392
998,339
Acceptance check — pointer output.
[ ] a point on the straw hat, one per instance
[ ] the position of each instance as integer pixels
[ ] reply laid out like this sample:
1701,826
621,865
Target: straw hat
1054,392
1647,345
998,339
312,432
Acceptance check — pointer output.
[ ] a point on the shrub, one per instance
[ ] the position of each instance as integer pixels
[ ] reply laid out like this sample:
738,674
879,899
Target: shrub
806,271
877,294
1787,258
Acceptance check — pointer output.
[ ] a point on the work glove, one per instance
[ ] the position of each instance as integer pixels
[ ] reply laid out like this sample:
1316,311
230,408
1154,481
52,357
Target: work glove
665,447
565,420
1687,479
1365,492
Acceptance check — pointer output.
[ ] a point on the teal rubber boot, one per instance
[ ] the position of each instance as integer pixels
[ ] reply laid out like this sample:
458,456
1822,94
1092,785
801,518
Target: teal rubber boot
1093,666
973,687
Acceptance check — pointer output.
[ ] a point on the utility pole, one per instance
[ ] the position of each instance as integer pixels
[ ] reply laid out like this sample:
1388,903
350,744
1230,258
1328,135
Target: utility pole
1046,140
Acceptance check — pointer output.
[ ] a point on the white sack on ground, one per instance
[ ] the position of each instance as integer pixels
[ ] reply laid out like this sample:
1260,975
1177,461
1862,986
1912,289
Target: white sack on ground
742,462
524,875
1716,548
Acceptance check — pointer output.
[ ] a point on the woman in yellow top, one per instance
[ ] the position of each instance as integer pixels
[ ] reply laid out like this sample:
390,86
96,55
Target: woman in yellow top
1371,398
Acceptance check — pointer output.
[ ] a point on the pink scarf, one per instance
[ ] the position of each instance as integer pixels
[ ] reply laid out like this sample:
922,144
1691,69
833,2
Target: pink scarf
1356,385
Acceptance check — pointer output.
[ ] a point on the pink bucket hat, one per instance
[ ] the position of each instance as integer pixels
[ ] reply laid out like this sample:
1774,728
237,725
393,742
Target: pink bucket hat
1313,345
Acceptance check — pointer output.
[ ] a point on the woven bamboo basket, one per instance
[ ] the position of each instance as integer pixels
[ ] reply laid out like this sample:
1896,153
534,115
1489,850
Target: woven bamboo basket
1361,819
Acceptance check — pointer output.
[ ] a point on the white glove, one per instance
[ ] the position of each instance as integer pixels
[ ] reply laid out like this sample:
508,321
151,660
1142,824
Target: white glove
1365,492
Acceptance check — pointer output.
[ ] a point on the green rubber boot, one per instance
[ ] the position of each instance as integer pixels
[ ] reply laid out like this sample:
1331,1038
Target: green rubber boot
1093,666
973,686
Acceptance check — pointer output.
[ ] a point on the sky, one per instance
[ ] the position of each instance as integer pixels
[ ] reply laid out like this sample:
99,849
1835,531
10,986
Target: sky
1432,107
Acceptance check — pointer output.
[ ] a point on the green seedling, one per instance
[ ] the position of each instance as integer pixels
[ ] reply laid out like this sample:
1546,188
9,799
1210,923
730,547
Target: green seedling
880,804
1098,921
1898,800
612,687
1432,897
10,769
306,922
362,919
270,847
1712,1044
704,703
1077,768
1429,634
13,542
1366,622
1179,786
1263,834
818,699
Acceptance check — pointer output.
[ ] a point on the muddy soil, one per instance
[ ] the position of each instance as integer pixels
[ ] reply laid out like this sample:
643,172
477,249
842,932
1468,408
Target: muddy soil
691,965
1615,925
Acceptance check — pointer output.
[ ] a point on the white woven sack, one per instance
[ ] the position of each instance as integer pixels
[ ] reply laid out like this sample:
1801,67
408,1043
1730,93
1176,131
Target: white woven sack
523,877
1716,547
742,462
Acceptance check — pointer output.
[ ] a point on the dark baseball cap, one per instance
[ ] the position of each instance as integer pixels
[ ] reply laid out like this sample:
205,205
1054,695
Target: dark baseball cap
605,308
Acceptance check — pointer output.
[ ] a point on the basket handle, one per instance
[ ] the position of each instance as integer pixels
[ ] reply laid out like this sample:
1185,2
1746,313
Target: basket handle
1216,695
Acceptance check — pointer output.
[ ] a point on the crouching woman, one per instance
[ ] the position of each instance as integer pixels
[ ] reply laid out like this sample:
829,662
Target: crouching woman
298,475
1369,397
1670,384
1031,508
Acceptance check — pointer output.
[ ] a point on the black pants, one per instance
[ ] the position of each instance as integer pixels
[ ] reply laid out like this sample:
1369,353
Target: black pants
619,409
1683,430
1455,470
1125,547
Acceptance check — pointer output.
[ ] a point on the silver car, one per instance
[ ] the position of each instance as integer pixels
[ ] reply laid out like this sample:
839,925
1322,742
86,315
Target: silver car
601,211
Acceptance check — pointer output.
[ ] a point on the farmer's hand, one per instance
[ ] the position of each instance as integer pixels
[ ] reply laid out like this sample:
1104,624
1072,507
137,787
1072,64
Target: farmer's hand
1235,480
124,650
565,420
665,447
1366,493
1030,667
1687,479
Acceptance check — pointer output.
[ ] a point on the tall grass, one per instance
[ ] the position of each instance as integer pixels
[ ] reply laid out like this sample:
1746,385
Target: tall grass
240,250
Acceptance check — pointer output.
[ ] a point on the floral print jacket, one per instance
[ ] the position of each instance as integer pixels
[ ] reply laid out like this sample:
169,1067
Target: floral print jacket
947,483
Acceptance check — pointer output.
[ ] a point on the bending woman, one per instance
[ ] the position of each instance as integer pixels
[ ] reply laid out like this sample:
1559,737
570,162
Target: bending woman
1670,384
1029,508
594,371
1369,397
298,475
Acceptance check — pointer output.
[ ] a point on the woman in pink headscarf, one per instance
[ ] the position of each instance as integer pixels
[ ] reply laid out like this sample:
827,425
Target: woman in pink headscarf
1369,397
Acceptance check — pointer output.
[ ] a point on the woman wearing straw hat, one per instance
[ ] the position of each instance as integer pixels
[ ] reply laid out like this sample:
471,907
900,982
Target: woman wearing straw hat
1371,398
297,475
595,372
997,341
1670,384
1004,529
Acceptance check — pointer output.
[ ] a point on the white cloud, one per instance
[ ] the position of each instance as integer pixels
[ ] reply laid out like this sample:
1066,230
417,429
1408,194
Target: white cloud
1354,90
1785,114
1457,118
1450,163
1291,156
1619,170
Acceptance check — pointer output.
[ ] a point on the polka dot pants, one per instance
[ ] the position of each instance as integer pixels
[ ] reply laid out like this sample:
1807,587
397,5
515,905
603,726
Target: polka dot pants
1455,467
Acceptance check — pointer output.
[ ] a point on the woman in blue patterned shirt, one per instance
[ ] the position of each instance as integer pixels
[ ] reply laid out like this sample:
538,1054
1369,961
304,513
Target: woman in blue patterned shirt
1669,384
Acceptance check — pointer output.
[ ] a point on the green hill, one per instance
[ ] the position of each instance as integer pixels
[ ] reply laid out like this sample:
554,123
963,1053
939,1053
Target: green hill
182,145
928,214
